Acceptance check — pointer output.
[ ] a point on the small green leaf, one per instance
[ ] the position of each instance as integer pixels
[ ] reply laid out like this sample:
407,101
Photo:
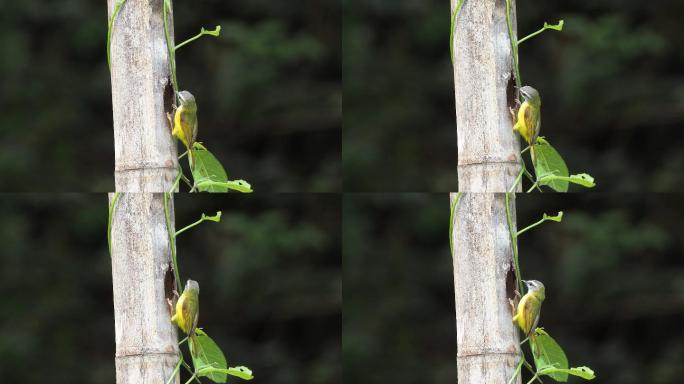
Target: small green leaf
207,354
236,185
557,27
241,372
583,372
548,354
582,179
217,30
548,162
216,218
558,218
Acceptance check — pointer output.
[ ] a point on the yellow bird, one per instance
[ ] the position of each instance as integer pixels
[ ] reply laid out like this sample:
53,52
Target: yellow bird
529,307
187,309
185,122
528,122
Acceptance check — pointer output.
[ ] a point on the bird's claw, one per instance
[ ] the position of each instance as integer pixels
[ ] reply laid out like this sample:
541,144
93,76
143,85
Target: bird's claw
512,303
512,111
169,117
169,302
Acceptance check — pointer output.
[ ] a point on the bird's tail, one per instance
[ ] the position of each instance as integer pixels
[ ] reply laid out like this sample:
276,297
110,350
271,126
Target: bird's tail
191,157
193,344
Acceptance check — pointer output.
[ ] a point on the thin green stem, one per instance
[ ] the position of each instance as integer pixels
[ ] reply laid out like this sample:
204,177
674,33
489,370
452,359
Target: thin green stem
451,222
194,375
175,371
189,368
531,35
115,13
535,185
453,27
514,45
180,170
109,223
514,243
203,32
520,232
172,242
198,222
174,186
517,179
535,377
532,370
187,181
517,371
556,27
172,56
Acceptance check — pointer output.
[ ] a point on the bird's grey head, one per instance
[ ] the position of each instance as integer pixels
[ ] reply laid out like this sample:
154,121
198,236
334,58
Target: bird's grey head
192,284
185,96
529,93
533,285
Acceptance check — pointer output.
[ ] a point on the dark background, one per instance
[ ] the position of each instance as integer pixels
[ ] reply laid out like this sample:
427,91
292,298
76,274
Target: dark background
611,84
613,270
270,276
268,91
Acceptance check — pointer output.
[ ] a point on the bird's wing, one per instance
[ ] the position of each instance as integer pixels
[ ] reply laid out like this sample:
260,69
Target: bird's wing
531,309
532,123
188,122
189,318
194,321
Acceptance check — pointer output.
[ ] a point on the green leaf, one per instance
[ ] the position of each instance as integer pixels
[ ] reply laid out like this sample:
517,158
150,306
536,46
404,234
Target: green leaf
583,372
548,162
236,185
216,218
207,354
209,175
558,218
217,30
241,372
557,27
548,354
207,167
582,179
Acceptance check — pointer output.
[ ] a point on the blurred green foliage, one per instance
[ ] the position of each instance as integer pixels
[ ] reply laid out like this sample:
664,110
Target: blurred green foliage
270,274
268,91
611,84
613,269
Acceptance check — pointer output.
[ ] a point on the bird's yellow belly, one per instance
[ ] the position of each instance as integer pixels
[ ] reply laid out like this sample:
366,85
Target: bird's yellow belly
178,127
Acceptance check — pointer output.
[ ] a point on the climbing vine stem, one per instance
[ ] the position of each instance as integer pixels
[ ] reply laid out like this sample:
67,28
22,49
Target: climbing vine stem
514,45
170,49
109,222
451,222
172,241
514,243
